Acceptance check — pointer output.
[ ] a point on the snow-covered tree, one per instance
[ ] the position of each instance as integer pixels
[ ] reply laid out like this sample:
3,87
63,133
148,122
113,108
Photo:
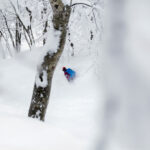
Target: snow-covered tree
58,35
42,87
23,26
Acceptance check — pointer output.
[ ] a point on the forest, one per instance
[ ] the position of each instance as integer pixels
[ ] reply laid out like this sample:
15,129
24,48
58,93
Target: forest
74,75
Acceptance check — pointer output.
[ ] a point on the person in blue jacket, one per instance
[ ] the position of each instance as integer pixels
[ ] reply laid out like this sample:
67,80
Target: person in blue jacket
69,73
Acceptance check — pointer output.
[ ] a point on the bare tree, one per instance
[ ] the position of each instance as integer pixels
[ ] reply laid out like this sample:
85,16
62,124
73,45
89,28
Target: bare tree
39,102
15,30
8,28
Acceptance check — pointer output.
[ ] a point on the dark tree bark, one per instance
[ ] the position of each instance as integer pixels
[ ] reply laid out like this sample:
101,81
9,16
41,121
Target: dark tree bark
40,98
29,28
18,35
45,23
45,31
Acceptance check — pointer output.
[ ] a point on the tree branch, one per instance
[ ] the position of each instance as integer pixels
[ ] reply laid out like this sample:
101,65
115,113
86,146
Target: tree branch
81,4
70,2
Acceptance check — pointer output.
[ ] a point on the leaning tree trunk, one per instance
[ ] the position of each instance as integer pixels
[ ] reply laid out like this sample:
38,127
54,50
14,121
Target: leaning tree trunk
40,98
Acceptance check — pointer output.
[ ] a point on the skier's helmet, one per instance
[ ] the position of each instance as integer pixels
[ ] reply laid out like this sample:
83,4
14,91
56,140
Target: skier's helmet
64,69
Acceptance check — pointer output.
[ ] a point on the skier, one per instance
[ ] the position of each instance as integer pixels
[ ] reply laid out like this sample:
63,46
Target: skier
69,73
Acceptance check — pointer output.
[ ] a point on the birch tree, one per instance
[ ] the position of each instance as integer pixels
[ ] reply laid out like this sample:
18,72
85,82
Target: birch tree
41,93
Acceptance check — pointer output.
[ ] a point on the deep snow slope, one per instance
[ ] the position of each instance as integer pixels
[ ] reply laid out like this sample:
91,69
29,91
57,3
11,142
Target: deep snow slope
71,116
74,105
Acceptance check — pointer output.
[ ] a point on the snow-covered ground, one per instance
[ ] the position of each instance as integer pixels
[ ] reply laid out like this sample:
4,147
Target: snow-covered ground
78,116
72,118
71,121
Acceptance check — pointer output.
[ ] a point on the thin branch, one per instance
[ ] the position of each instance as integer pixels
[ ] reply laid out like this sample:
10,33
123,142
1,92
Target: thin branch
81,4
70,2
7,45
95,19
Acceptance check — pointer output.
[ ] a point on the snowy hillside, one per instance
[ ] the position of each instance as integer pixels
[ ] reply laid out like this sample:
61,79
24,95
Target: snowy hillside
71,116
106,107
71,120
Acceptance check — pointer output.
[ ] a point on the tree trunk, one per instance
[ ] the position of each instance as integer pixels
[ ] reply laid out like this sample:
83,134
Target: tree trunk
18,36
41,93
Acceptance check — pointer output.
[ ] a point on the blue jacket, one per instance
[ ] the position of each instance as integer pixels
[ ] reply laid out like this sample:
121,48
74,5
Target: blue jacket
71,72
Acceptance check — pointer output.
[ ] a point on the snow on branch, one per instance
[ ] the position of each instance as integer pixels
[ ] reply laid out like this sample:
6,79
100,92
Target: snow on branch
41,79
53,40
